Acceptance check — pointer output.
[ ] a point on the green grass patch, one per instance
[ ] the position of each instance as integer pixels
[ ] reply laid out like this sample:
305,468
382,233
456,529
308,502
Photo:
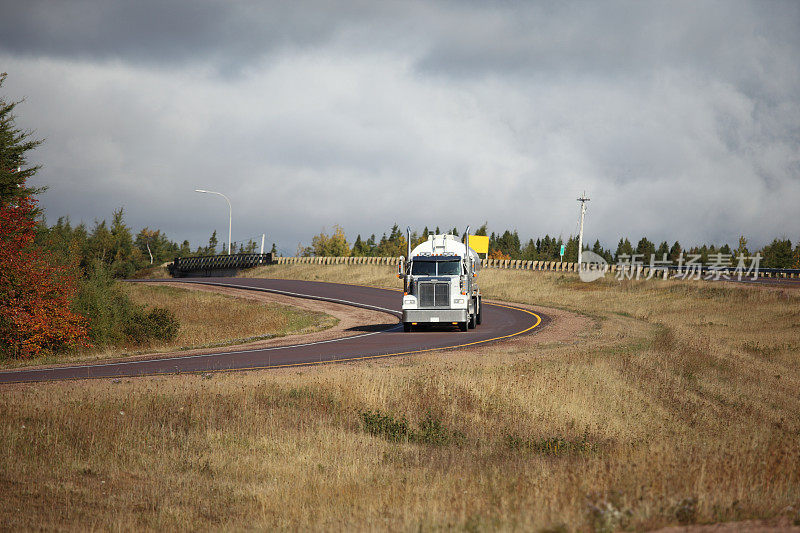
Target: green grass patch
429,431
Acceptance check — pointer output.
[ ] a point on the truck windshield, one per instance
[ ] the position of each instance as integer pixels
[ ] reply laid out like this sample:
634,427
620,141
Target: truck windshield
423,268
450,268
429,268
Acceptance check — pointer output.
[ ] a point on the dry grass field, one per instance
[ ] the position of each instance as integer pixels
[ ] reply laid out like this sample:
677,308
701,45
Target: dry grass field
206,320
679,405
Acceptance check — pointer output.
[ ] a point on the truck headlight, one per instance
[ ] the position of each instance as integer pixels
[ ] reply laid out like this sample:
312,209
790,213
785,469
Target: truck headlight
409,301
458,301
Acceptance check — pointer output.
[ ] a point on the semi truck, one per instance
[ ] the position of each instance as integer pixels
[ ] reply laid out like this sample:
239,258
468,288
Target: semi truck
440,283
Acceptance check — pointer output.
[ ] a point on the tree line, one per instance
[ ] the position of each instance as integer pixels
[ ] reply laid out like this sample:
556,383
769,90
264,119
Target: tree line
780,253
114,244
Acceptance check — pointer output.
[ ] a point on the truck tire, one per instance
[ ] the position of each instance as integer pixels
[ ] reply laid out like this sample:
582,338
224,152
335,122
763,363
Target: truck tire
479,315
406,326
471,323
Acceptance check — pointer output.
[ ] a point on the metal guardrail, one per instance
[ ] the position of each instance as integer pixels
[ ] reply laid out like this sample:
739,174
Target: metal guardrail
642,269
210,265
519,264
219,264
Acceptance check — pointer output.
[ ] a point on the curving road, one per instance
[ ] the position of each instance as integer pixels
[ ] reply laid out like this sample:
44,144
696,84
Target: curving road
499,322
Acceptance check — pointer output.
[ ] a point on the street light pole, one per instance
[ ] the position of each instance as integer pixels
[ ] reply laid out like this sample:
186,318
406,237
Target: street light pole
230,213
583,201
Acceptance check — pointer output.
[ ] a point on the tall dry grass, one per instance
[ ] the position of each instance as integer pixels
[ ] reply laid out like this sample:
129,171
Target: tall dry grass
209,319
679,406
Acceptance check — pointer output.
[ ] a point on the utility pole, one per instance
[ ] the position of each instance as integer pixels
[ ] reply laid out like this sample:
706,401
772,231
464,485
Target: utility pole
583,201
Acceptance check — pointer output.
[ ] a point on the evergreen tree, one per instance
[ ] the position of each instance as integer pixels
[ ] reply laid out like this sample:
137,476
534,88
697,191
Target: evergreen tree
185,249
370,246
623,248
675,252
742,250
358,247
416,239
550,249
507,244
646,249
99,244
571,250
778,254
65,242
663,251
248,248
211,249
529,251
703,251
392,246
14,169
274,250
395,233
124,259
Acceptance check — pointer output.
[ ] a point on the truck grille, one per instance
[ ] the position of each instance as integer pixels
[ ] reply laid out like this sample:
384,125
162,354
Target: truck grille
433,294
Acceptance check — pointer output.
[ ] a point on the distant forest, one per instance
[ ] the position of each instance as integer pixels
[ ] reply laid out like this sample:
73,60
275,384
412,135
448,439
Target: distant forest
508,245
114,244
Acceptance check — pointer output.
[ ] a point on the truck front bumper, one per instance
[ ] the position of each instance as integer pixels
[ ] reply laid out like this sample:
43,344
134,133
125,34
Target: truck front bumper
424,316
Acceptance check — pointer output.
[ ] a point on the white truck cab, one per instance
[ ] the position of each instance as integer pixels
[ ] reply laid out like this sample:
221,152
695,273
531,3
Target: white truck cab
441,283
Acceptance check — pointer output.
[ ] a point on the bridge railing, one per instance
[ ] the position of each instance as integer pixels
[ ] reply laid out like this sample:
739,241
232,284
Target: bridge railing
211,264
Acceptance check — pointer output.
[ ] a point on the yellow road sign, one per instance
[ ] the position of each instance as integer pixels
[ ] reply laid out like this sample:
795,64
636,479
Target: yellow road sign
479,243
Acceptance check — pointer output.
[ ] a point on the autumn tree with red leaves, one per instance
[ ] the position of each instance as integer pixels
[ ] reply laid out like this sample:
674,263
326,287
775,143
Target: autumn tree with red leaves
35,294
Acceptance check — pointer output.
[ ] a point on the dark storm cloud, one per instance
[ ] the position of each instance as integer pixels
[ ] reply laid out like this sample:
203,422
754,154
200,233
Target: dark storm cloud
603,38
726,39
162,32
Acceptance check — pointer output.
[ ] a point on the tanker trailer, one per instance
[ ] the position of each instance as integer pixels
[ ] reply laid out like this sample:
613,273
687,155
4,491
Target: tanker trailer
441,283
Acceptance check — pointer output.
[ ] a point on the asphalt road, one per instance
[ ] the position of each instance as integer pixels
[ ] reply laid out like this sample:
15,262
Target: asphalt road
499,322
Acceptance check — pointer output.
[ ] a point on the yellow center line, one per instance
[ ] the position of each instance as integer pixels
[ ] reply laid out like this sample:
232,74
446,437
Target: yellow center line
421,350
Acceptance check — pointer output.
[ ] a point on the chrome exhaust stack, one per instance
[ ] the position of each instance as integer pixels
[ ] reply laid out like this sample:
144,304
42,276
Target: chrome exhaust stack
407,273
408,243
468,284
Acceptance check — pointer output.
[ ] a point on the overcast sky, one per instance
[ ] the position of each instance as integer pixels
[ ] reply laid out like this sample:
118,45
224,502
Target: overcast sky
680,120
